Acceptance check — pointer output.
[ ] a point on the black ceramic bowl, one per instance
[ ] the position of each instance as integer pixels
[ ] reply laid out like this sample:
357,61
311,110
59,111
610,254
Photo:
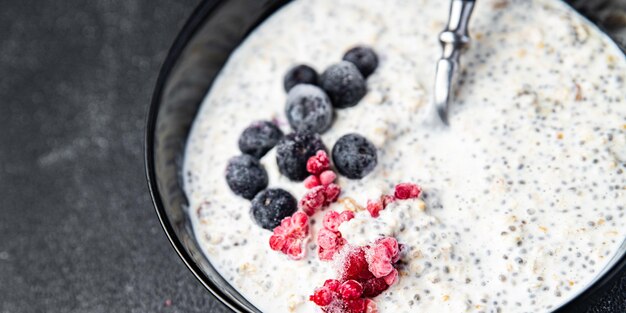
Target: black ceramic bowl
213,31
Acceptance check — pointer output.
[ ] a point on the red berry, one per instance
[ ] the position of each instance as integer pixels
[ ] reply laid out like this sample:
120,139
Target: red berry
331,192
381,256
277,242
327,177
392,277
326,254
328,239
333,219
346,216
291,236
379,261
351,289
370,306
380,268
355,266
318,163
391,244
407,191
322,296
332,284
355,306
374,207
313,200
294,250
373,287
334,307
311,181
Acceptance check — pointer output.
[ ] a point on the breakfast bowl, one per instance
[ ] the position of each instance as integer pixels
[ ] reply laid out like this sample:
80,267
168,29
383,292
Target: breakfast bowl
200,52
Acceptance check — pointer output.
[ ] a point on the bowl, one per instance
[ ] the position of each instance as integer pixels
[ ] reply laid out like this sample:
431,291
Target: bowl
214,30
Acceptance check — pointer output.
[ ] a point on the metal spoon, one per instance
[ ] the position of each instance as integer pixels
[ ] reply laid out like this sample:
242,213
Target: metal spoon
453,39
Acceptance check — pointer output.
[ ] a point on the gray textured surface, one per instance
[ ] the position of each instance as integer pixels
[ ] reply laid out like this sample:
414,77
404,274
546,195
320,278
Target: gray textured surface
77,229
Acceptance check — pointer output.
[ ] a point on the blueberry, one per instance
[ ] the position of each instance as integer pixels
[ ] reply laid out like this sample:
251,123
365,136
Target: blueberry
344,84
271,206
300,74
246,176
354,156
294,150
364,58
259,138
308,109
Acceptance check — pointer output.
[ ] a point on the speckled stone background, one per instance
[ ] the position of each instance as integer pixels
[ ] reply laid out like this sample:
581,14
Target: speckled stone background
77,228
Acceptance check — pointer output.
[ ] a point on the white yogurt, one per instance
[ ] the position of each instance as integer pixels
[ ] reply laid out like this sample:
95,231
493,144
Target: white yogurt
524,193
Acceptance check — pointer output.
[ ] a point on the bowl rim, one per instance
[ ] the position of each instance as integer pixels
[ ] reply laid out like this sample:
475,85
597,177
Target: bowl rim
197,18
184,36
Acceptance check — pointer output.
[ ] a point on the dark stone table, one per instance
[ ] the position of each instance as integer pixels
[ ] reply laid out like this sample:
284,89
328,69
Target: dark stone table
77,229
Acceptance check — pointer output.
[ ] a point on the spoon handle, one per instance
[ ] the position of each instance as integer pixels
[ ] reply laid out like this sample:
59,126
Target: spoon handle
453,39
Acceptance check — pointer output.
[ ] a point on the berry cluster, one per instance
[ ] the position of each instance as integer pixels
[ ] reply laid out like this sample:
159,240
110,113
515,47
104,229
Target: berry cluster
302,155
402,191
343,83
246,176
322,189
244,173
365,273
329,239
405,191
291,236
309,109
337,297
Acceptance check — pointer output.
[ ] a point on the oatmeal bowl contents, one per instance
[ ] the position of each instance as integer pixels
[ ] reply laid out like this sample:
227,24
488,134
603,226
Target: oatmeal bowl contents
294,168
